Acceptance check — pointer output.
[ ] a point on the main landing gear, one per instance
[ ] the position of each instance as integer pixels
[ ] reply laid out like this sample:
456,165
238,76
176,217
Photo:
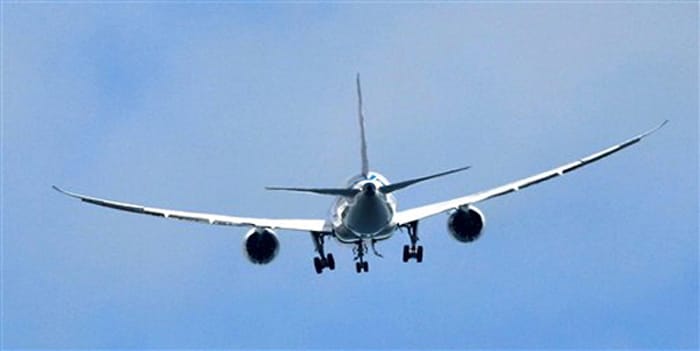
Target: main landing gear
322,260
413,251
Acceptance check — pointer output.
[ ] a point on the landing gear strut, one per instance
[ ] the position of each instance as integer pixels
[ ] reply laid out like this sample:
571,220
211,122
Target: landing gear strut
359,251
413,251
322,260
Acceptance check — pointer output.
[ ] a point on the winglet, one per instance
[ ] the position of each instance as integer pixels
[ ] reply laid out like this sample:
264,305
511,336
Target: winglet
61,190
639,137
68,193
654,129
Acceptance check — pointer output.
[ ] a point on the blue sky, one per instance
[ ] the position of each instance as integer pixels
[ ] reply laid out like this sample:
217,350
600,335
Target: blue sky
198,107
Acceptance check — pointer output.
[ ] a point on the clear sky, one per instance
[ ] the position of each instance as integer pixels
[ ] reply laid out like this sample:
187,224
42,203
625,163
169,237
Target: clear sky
199,106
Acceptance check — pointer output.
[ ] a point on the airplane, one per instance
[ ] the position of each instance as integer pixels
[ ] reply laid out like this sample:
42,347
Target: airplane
365,211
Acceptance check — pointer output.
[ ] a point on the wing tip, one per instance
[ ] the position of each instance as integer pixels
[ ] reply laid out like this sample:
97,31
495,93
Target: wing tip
66,192
657,127
661,125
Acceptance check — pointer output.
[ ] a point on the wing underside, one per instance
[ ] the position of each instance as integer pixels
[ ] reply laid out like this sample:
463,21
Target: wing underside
417,213
307,225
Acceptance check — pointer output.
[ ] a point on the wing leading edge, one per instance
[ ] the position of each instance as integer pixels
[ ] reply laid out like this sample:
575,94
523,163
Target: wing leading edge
417,213
306,225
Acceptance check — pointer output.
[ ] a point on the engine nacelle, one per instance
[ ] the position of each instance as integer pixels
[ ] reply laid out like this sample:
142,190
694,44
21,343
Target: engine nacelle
261,245
466,224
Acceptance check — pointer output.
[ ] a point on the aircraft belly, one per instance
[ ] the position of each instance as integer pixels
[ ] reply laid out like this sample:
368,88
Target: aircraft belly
368,217
347,236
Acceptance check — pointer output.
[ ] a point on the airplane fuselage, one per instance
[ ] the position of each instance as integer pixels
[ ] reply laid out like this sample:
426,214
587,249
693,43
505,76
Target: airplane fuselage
366,216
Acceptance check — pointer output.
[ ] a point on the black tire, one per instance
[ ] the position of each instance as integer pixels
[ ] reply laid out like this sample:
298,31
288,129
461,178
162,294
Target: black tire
419,254
358,269
365,266
330,261
318,265
405,253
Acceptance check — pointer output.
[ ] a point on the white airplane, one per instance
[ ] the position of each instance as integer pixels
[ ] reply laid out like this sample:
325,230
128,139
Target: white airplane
365,211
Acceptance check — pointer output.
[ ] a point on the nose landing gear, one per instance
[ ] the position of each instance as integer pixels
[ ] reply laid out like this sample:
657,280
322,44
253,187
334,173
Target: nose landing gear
361,266
359,251
412,251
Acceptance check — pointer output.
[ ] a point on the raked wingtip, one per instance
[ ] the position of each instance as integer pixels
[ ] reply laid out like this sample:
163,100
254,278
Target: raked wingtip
665,122
657,128
64,192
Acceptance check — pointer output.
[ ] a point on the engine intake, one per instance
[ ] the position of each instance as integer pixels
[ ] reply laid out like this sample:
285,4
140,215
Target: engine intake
261,245
466,224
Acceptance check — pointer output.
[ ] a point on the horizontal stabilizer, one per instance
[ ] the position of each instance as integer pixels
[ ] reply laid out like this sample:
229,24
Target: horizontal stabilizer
323,191
400,185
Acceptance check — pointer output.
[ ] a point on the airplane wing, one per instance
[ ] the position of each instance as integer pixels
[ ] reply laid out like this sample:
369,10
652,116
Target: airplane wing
305,225
417,213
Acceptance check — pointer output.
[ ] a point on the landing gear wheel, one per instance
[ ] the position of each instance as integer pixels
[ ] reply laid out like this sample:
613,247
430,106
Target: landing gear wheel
330,262
413,252
318,265
361,267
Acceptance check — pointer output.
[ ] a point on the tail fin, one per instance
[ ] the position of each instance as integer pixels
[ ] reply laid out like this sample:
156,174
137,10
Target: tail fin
363,152
406,183
361,116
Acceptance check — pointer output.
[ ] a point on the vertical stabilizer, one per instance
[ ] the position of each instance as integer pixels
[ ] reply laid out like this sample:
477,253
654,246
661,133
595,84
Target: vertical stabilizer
361,117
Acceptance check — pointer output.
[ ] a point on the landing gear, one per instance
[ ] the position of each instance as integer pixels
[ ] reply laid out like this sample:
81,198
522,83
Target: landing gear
359,251
322,260
361,266
413,251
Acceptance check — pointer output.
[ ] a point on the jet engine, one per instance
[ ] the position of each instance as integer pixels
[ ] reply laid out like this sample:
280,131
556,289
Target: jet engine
466,224
261,245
